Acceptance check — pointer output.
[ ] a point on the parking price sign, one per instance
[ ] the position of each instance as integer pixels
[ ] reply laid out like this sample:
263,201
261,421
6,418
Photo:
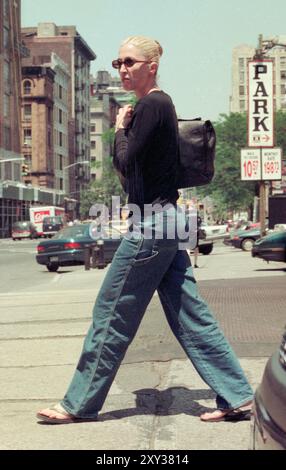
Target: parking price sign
272,164
250,164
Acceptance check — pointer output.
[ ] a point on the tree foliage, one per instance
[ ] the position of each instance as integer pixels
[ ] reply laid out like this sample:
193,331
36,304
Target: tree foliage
228,191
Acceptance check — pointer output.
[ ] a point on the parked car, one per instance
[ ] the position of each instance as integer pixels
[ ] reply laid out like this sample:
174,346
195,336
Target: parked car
243,239
214,232
23,229
268,428
51,225
67,247
272,247
240,226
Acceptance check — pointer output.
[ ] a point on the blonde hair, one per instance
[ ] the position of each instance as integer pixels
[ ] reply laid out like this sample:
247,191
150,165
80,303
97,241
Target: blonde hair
150,48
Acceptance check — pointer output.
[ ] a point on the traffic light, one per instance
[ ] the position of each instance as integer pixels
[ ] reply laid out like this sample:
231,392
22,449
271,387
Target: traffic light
25,169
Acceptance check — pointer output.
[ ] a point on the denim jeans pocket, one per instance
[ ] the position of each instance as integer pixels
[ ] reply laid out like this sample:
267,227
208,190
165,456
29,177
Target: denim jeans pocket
146,252
145,257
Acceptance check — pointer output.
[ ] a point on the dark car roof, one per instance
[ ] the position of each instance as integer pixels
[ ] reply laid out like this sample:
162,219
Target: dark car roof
89,231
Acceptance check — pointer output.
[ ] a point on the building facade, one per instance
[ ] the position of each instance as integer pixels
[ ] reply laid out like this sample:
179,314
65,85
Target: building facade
240,57
37,125
67,43
15,196
10,89
107,96
60,123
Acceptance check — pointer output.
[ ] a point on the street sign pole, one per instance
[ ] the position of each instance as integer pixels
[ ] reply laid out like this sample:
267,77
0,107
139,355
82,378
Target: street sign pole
262,207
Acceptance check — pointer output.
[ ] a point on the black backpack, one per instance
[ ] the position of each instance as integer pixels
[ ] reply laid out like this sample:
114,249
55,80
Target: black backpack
197,141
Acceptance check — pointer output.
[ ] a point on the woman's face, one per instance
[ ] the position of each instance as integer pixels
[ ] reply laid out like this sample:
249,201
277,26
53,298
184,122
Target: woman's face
138,77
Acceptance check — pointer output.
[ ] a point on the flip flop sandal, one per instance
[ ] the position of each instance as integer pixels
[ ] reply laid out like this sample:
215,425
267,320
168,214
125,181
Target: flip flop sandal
66,420
231,416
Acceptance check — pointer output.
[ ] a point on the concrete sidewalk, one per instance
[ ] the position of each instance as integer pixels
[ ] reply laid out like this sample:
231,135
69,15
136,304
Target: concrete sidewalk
153,404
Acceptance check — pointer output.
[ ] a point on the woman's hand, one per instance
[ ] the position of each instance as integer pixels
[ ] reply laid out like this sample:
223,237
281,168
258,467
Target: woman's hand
123,117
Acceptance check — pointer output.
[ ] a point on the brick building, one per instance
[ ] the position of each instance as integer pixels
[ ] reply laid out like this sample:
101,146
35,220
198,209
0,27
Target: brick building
67,43
15,196
37,124
10,91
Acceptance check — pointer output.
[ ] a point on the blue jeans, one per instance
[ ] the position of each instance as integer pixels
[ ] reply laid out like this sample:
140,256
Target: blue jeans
140,266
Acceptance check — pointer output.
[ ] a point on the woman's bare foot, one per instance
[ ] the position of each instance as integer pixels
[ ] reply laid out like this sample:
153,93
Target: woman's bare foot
55,414
242,413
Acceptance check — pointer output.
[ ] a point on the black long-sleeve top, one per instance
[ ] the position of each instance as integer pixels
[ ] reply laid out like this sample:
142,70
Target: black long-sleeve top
146,153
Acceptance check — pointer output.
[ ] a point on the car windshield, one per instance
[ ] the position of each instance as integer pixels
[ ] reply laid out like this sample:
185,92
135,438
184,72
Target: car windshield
77,231
22,225
52,220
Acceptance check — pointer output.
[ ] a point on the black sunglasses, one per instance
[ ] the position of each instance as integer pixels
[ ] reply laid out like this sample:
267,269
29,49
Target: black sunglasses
128,62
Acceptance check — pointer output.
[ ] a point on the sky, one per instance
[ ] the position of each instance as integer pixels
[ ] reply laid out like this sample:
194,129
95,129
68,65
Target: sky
197,38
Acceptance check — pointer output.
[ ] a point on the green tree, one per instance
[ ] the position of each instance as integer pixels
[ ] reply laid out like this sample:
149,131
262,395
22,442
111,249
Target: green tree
228,191
280,126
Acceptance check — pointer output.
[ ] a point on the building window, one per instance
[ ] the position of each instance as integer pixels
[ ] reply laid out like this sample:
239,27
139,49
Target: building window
49,111
61,184
93,144
60,116
241,90
60,139
241,62
7,138
28,159
93,128
241,105
6,8
93,115
6,105
6,72
28,137
27,112
60,162
282,62
241,77
60,92
49,139
283,89
6,38
27,87
283,75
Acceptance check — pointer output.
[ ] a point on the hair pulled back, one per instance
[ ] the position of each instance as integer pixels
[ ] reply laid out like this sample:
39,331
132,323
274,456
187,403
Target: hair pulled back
150,48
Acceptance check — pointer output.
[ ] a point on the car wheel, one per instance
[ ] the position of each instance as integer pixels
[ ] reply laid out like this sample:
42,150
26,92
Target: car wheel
247,244
53,267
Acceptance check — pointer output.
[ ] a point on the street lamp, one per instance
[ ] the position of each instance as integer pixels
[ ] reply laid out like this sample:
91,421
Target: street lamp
6,160
11,159
83,162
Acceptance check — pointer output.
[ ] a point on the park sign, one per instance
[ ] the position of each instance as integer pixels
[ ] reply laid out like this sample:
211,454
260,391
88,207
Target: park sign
260,103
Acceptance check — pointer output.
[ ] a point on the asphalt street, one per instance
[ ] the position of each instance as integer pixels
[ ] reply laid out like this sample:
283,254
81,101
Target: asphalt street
157,396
